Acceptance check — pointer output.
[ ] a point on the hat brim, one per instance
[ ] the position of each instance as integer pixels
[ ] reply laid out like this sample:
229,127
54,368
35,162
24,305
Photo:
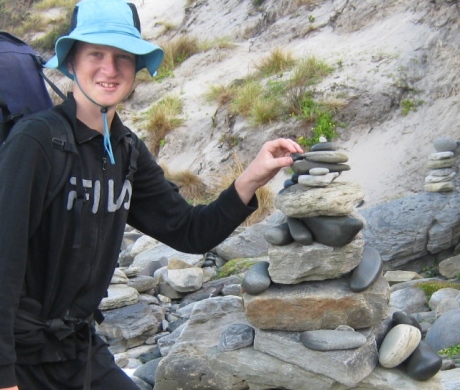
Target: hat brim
148,54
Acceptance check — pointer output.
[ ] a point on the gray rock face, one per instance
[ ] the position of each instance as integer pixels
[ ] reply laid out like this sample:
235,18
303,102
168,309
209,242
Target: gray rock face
317,305
350,366
249,243
128,322
337,199
445,332
410,228
409,299
186,365
295,263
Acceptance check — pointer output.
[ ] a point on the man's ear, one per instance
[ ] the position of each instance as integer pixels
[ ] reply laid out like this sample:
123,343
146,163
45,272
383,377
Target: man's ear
70,65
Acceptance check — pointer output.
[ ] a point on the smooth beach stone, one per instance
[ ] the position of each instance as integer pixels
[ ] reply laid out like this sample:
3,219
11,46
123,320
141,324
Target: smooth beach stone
303,167
287,183
295,177
236,336
444,186
323,146
318,181
441,172
398,345
440,156
330,340
400,317
424,363
437,164
257,279
327,157
439,179
368,270
319,171
278,235
445,144
299,231
333,231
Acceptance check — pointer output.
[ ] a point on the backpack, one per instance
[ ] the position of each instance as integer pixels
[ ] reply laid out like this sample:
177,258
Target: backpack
22,88
23,95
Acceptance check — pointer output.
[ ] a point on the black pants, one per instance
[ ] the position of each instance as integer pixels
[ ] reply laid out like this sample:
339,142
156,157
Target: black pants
69,375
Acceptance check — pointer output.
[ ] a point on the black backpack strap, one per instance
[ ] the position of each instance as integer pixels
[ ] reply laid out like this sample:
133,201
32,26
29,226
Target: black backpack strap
133,154
63,141
40,63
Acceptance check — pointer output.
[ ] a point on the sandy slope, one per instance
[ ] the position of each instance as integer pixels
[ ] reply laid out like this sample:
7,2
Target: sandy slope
387,52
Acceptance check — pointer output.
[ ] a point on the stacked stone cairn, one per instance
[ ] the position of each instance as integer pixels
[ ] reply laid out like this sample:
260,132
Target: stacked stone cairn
321,300
442,166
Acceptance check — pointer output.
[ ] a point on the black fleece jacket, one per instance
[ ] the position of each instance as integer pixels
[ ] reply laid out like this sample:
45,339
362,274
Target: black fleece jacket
36,255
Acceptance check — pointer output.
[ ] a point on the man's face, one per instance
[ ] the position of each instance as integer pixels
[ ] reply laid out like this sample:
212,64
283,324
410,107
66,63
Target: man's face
106,74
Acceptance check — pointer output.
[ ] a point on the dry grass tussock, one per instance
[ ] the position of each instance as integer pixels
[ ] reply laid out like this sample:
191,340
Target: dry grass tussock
264,194
190,185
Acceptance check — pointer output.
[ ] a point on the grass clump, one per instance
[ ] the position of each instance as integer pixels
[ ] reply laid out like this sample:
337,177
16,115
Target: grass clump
430,287
264,194
277,61
162,118
245,96
191,187
310,71
235,267
176,52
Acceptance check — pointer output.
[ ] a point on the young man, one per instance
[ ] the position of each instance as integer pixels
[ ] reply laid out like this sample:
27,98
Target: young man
55,263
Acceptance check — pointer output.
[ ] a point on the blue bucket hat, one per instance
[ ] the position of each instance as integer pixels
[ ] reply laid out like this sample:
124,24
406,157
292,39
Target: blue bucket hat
110,23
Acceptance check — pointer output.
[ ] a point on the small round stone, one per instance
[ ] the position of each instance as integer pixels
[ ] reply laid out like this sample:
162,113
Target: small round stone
236,336
398,345
319,171
257,279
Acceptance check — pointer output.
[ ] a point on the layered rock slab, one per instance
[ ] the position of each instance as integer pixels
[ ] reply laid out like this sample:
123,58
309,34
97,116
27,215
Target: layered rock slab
295,263
317,305
337,199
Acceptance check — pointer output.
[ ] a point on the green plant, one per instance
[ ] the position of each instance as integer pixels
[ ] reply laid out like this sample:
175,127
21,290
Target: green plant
450,352
408,105
431,271
311,18
246,95
235,267
430,287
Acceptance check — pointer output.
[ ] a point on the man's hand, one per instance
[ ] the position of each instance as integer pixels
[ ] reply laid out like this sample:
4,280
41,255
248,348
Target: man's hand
273,156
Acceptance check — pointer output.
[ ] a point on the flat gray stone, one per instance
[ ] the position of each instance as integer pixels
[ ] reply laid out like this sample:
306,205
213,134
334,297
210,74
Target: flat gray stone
368,270
327,157
302,167
333,231
320,146
330,340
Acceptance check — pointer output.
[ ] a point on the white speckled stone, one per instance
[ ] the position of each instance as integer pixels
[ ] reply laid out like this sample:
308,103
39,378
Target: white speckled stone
398,344
317,181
